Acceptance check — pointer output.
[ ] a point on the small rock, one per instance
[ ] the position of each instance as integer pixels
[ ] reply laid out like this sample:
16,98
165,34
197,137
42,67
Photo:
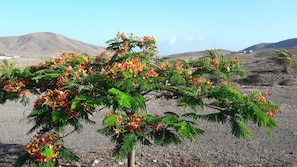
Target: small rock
78,164
121,162
95,162
166,164
155,160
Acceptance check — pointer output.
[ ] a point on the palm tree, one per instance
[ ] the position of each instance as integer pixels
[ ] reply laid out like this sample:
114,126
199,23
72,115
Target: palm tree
7,65
212,53
283,58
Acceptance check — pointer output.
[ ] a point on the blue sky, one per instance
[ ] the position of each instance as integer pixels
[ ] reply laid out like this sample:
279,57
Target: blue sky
178,26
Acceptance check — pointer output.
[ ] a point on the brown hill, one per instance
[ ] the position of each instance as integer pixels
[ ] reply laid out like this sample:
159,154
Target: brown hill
285,44
45,44
193,55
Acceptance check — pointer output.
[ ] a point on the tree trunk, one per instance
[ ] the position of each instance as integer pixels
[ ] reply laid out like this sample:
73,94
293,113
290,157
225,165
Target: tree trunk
131,158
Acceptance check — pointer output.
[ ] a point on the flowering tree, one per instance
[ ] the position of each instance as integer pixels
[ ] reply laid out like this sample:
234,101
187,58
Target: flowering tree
72,87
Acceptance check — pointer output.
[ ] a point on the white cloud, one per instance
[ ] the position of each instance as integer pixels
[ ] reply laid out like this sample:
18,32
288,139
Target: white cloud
171,41
182,39
180,44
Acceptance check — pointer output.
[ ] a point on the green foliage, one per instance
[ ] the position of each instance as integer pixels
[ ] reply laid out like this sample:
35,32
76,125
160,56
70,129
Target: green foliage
122,100
125,145
22,160
177,79
7,65
47,152
284,58
212,54
110,121
68,155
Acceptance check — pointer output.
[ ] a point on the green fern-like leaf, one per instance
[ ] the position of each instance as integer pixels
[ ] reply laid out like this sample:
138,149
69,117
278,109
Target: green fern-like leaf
122,98
111,120
169,119
137,102
46,74
176,78
213,117
239,128
67,155
59,116
76,101
21,161
186,130
106,131
128,144
47,164
47,152
165,137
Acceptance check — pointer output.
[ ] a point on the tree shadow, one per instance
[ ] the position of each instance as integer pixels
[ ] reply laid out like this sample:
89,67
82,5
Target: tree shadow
9,154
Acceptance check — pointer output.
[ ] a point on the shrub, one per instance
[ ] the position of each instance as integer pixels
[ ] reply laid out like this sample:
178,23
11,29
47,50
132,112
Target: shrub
284,58
74,86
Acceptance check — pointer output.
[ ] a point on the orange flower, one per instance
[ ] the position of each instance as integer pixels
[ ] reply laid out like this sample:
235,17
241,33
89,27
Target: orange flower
135,84
265,94
152,72
117,132
125,45
108,114
216,63
135,60
119,119
236,59
178,64
209,82
52,137
225,83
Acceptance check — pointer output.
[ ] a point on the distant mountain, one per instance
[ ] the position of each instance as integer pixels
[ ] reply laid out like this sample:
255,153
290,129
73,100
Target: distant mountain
193,55
44,44
285,44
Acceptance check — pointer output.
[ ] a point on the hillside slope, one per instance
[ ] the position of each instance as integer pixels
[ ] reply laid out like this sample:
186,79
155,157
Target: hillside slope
44,44
285,44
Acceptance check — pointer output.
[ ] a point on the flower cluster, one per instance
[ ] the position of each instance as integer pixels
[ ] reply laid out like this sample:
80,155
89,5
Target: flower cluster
214,62
133,123
129,68
69,66
15,87
126,42
224,64
132,66
44,148
262,98
199,82
57,98
102,57
178,67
